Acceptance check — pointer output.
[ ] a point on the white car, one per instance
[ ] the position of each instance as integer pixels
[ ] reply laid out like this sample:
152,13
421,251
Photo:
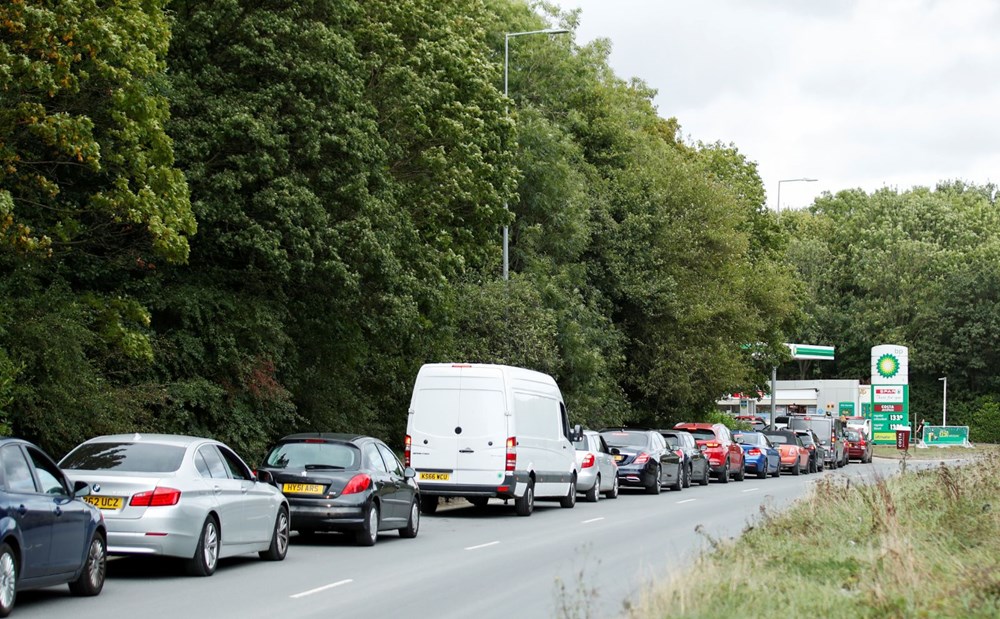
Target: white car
598,469
180,496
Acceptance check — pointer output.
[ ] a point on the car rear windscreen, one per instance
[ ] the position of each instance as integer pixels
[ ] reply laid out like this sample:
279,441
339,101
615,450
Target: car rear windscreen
125,457
780,438
626,439
314,455
703,435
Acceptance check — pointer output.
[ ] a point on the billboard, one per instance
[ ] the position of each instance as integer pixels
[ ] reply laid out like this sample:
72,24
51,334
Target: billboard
890,392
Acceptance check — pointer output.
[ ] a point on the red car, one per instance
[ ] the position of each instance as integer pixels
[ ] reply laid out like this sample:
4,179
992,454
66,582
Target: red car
858,445
725,456
794,455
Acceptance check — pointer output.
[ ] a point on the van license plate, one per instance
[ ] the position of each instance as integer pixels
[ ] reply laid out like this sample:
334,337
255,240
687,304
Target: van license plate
435,476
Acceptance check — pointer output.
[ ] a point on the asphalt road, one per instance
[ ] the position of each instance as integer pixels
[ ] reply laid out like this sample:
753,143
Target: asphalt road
465,562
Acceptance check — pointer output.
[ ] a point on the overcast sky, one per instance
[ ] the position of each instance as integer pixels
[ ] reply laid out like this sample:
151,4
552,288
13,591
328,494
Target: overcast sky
855,93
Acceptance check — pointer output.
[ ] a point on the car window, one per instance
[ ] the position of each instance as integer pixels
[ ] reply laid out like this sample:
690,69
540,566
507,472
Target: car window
49,476
626,438
216,467
201,465
126,457
391,462
316,453
702,435
603,444
374,459
17,472
237,469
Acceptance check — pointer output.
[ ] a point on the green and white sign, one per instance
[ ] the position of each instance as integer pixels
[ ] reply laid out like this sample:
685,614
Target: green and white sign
811,351
946,435
890,411
846,409
890,365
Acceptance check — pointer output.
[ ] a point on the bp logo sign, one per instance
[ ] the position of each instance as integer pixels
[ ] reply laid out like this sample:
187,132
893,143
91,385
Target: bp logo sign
887,366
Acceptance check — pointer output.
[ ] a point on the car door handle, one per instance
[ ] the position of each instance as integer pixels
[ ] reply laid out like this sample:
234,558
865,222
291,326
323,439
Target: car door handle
245,489
466,451
216,489
22,510
58,511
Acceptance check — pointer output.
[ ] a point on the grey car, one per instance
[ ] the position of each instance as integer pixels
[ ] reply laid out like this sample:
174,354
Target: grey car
598,470
180,496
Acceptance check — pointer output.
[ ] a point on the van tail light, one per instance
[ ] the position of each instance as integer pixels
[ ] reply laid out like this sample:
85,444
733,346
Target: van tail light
407,441
161,496
753,452
588,461
358,483
642,458
511,454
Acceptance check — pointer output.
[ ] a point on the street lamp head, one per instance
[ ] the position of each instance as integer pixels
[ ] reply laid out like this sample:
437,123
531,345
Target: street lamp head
546,31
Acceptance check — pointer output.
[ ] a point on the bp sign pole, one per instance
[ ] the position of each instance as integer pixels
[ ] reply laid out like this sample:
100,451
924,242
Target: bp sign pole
890,392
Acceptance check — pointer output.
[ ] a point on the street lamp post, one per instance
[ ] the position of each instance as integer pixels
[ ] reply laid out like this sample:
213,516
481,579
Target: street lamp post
506,62
791,180
944,402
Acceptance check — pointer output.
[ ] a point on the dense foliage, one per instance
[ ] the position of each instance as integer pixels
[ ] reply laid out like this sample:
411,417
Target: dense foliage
350,166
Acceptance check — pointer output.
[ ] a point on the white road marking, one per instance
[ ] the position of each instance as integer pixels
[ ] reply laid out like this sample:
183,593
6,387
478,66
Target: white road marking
686,501
323,588
592,520
751,489
482,545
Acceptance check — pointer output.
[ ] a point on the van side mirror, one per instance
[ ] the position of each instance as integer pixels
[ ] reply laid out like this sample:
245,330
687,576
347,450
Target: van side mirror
576,433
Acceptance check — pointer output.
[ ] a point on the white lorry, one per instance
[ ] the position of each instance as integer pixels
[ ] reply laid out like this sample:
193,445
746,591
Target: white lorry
481,431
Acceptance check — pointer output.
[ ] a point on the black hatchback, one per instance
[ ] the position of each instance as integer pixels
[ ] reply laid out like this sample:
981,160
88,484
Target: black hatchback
344,482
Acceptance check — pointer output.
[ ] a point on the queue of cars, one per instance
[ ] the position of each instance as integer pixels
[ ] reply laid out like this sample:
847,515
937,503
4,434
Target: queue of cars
474,431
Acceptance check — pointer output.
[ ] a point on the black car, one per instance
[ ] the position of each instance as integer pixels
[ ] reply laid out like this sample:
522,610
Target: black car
48,534
817,453
344,482
644,459
696,465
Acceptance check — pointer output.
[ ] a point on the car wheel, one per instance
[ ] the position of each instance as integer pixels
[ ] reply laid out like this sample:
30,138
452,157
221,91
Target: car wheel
279,538
524,505
613,493
594,494
368,533
206,555
762,473
413,524
706,477
569,501
679,484
8,580
796,470
479,501
742,473
91,579
777,470
724,476
428,504
654,488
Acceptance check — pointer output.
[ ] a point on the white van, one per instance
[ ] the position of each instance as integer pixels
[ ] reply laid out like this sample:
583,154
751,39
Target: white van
480,431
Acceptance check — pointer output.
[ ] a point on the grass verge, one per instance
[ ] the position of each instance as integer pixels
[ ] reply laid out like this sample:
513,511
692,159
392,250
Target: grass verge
936,453
924,544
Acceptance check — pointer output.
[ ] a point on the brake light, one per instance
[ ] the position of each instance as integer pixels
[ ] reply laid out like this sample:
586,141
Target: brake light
314,440
862,444
713,444
358,483
588,461
680,453
754,452
642,458
406,450
511,454
157,497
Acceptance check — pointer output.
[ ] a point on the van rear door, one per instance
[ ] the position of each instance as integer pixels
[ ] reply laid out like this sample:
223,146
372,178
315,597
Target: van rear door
459,427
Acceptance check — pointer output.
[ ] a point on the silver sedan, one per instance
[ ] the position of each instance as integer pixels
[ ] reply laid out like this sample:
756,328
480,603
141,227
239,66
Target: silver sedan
180,496
598,469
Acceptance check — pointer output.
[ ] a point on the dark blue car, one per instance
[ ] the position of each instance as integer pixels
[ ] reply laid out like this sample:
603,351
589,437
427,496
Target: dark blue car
761,456
48,534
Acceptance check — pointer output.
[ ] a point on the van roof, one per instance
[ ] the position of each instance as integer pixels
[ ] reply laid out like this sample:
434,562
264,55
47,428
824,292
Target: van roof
447,369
